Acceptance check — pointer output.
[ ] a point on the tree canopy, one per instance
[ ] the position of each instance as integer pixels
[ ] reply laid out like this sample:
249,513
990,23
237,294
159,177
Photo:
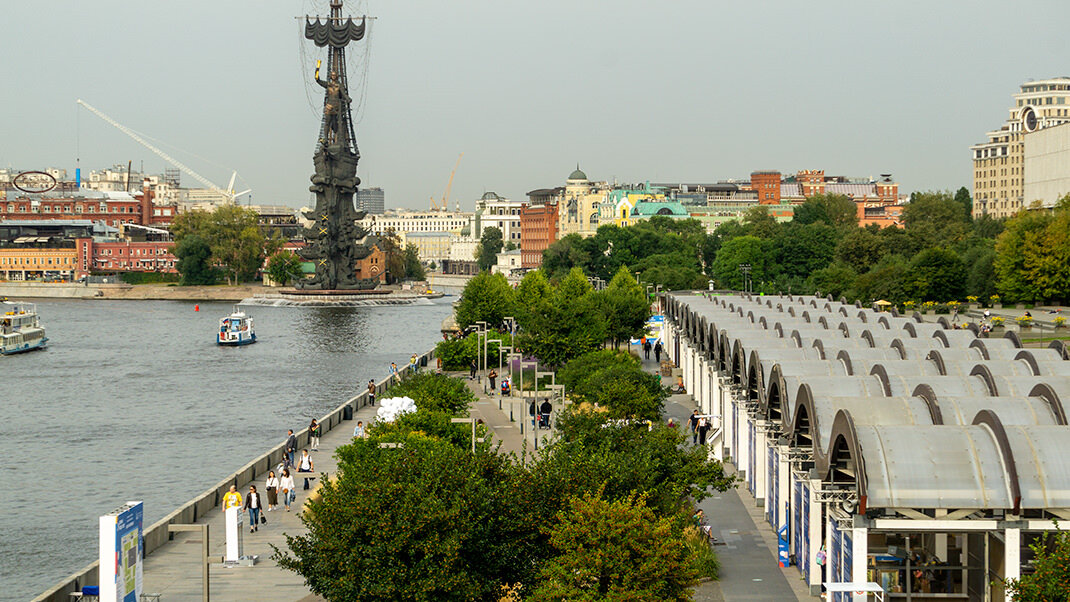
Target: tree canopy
232,232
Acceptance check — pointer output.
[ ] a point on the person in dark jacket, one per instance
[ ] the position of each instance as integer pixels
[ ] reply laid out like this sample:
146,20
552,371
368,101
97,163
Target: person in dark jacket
253,506
657,352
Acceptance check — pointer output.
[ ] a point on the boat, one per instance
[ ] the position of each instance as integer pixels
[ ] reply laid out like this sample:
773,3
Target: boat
20,328
236,329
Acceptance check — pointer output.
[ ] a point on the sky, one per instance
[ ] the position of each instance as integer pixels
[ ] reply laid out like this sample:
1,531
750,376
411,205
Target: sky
678,90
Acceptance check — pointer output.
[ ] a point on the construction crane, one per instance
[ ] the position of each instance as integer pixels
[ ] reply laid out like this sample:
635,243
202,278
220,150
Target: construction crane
228,193
443,205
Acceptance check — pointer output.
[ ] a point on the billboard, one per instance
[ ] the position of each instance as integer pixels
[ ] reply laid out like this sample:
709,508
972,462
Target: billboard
120,553
654,327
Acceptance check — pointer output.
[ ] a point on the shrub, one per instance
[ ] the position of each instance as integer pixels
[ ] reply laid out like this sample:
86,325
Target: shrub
997,321
1024,321
994,299
971,298
435,392
148,277
1060,321
458,354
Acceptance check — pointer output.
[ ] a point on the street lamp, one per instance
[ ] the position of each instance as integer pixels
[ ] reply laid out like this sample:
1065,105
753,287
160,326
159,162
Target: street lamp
481,331
745,269
524,363
473,422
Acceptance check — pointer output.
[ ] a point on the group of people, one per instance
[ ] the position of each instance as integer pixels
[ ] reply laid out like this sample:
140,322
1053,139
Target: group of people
656,348
700,427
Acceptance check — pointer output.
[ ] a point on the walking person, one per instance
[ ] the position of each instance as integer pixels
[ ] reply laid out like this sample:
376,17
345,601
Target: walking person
359,431
693,423
231,499
305,465
286,484
657,352
314,435
291,446
272,488
703,428
646,348
472,370
253,505
371,392
492,376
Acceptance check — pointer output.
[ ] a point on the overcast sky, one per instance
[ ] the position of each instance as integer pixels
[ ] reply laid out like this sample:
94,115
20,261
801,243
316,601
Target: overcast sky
678,90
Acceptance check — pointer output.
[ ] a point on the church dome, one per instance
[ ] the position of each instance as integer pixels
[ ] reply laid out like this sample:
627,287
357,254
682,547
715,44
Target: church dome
577,175
491,196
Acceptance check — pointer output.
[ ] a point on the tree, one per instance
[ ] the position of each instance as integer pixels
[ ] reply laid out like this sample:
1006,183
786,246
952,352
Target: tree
962,197
1017,251
568,326
233,234
625,399
836,210
637,555
393,256
736,252
426,521
195,261
800,249
435,392
413,268
1050,579
935,218
564,254
860,249
532,295
835,280
283,267
486,298
624,307
586,376
490,244
936,275
760,223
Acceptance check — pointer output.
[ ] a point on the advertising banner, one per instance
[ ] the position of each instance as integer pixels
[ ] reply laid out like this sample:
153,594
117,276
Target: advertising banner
120,553
653,332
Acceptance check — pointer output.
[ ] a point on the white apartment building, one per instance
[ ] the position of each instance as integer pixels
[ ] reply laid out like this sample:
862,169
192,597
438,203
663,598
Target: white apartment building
999,163
498,212
1047,165
402,221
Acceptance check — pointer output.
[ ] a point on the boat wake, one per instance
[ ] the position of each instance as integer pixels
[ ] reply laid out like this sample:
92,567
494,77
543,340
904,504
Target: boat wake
277,302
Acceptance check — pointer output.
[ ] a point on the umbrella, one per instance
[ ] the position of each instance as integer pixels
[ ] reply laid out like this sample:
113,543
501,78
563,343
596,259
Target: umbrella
883,302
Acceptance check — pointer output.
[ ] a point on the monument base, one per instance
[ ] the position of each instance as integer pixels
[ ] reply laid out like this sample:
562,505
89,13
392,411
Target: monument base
293,292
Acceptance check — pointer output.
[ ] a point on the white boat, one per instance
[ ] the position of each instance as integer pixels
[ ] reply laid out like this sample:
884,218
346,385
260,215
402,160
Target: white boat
236,329
20,328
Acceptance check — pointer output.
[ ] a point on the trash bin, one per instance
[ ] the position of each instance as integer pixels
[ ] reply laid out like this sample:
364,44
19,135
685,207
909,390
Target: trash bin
347,412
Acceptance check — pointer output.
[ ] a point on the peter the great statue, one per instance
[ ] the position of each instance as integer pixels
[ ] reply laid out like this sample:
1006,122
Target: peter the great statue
334,238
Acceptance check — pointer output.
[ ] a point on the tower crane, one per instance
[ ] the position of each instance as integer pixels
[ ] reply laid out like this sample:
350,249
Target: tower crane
443,205
228,193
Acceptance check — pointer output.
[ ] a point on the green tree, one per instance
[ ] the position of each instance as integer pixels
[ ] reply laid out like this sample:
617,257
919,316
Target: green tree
195,261
886,280
284,266
1050,579
624,307
935,219
586,376
234,236
835,280
435,392
486,298
569,324
626,399
1017,251
640,556
860,249
962,197
426,521
490,244
564,254
760,223
981,270
1049,261
413,268
532,296
936,275
836,210
736,252
800,249
393,255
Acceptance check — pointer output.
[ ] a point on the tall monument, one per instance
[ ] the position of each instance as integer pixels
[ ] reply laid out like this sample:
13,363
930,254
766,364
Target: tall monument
334,238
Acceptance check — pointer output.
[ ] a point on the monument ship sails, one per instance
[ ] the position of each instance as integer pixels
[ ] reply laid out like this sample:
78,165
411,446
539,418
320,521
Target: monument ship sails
334,239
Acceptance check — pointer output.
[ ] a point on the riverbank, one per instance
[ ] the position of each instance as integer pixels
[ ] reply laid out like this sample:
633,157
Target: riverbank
154,292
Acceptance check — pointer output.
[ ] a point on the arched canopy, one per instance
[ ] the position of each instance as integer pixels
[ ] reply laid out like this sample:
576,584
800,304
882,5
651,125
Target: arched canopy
995,349
1042,464
922,330
861,360
954,338
914,349
1044,361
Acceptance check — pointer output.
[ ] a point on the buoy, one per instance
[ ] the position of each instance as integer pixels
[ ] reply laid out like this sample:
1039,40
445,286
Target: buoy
197,307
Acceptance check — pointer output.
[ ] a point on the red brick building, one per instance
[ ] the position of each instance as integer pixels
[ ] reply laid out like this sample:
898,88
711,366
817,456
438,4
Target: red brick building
374,265
538,230
123,256
112,209
767,185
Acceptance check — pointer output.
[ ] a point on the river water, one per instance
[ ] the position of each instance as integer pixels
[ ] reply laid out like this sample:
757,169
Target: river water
132,400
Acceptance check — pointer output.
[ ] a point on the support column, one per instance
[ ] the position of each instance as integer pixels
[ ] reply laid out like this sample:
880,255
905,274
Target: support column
761,465
1012,553
940,547
784,489
859,551
817,530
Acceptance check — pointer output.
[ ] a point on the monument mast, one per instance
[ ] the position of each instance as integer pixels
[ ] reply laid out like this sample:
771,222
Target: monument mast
334,238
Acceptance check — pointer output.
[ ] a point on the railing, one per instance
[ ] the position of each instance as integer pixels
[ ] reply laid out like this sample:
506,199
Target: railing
157,535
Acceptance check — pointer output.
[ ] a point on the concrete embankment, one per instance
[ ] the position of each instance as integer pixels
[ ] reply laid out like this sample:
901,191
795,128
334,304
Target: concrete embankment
169,292
205,508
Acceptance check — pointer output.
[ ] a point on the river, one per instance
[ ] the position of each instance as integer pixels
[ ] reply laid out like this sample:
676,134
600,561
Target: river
132,400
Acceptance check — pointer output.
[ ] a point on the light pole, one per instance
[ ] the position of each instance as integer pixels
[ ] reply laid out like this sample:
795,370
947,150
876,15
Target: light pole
512,383
473,422
481,331
745,269
524,363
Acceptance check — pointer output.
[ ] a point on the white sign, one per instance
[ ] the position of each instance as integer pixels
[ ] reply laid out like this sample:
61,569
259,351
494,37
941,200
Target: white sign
120,553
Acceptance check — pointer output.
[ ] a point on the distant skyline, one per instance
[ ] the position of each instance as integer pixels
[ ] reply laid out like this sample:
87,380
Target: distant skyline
684,91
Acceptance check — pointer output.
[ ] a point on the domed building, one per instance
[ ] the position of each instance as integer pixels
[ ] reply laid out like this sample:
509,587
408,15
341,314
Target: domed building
580,208
501,213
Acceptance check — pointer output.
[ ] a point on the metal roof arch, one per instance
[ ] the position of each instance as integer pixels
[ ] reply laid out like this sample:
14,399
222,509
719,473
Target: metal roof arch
989,419
1052,397
1044,361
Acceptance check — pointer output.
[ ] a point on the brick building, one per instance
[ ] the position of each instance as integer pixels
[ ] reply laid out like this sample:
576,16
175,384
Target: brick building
124,256
111,208
538,230
767,185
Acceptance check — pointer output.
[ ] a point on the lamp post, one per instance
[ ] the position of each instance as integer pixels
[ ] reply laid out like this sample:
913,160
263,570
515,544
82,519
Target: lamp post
473,422
524,363
513,355
745,269
481,331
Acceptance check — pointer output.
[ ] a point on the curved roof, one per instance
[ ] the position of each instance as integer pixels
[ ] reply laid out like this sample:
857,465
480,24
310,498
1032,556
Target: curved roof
577,175
1042,464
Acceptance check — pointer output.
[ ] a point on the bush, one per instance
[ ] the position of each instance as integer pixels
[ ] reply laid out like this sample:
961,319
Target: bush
148,277
1024,321
1060,321
458,354
434,392
997,321
433,424
586,377
703,559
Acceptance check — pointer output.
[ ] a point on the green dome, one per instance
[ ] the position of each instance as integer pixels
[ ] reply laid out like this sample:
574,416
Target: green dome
577,175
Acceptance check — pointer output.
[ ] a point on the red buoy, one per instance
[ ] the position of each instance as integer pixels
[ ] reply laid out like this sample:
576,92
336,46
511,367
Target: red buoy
197,307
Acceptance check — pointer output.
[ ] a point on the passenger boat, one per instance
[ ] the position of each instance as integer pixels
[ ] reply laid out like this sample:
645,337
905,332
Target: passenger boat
20,328
236,329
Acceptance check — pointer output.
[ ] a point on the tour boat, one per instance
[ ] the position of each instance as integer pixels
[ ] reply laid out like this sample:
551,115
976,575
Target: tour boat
236,329
20,329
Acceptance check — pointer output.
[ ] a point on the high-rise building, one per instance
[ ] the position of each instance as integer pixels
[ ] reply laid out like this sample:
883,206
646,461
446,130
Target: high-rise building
370,200
999,163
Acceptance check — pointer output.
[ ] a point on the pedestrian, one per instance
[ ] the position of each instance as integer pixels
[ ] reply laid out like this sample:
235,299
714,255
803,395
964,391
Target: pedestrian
545,409
438,365
657,352
988,314
493,375
291,446
305,465
232,499
472,370
314,435
703,428
272,487
414,364
252,504
286,484
646,348
693,423
394,372
371,392
671,424
359,431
